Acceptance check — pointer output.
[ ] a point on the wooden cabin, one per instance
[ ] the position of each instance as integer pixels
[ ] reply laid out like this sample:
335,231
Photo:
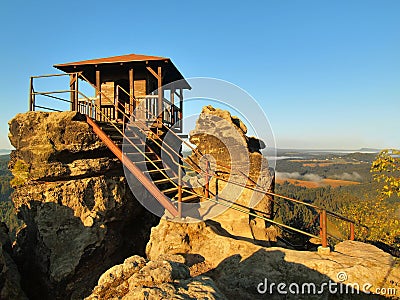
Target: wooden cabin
123,84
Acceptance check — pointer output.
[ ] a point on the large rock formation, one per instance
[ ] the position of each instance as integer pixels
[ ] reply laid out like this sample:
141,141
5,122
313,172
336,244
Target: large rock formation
139,279
10,279
239,267
221,139
81,217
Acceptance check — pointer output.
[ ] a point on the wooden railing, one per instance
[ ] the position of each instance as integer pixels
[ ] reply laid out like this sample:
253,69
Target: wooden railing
171,114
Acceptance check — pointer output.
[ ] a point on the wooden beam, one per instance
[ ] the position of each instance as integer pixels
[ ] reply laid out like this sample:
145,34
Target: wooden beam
132,105
76,91
160,112
172,100
98,93
73,86
181,106
153,72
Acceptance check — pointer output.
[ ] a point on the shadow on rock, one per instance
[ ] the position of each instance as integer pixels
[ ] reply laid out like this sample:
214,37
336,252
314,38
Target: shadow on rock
266,274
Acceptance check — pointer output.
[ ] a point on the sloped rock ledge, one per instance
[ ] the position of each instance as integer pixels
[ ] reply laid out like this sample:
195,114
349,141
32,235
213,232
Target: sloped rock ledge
138,278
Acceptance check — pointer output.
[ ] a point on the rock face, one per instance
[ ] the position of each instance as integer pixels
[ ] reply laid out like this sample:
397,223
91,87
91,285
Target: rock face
238,267
10,279
81,217
138,278
221,139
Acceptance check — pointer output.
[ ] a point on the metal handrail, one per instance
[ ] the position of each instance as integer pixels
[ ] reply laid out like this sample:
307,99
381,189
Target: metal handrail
195,151
53,75
320,209
233,182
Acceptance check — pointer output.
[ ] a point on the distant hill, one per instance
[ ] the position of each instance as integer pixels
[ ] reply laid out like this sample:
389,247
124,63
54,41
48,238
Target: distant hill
370,150
5,151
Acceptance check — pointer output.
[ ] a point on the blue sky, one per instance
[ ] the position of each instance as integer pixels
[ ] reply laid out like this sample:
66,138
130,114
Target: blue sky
326,73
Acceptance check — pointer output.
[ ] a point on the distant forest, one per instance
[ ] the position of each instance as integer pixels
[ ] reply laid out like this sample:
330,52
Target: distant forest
5,176
362,202
330,165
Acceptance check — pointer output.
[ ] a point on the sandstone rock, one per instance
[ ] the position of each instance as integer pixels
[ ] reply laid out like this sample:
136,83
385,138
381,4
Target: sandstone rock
56,146
153,280
238,266
222,140
81,217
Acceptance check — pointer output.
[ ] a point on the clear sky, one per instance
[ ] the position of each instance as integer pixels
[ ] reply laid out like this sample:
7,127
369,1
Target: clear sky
327,73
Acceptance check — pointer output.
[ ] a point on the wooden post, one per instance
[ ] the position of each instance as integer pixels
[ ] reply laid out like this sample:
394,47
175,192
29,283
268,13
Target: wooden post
132,105
207,184
181,108
160,111
179,191
351,231
71,96
73,86
172,100
76,90
31,95
324,229
98,94
116,102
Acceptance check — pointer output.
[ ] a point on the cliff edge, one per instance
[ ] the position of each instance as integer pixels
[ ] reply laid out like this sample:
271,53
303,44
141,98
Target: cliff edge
80,215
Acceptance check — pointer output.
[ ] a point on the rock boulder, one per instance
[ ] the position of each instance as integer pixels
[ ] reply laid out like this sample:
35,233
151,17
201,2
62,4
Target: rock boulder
138,278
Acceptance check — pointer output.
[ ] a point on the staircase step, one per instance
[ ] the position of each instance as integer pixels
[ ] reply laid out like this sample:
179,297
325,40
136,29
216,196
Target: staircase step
139,154
108,124
147,161
170,190
190,198
116,137
128,144
156,171
165,180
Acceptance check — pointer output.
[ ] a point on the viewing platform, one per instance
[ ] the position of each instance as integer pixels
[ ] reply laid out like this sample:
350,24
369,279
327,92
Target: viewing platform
149,88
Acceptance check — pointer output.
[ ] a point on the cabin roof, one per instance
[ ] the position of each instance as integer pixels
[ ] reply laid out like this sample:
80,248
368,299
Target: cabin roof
113,59
88,66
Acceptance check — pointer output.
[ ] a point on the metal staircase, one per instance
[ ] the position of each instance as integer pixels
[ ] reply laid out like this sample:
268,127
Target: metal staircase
160,167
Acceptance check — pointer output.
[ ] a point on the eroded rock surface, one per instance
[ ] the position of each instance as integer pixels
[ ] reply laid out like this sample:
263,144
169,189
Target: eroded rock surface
236,158
138,278
81,217
238,266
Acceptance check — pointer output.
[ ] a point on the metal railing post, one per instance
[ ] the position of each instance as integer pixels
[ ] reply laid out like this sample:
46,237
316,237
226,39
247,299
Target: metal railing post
324,229
31,95
207,185
351,231
179,191
216,189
